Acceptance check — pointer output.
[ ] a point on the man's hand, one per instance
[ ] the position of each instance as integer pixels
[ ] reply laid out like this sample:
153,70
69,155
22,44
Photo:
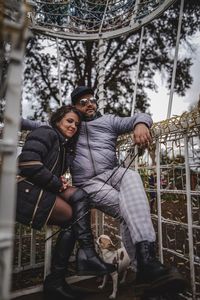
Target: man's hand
141,135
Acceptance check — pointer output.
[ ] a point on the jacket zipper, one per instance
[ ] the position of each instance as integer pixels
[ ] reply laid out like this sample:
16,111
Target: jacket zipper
93,164
63,163
55,161
36,207
41,192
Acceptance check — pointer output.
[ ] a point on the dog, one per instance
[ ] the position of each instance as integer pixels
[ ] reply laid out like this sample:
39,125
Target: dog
118,257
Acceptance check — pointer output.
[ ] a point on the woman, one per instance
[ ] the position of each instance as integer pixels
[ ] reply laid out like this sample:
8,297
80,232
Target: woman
45,197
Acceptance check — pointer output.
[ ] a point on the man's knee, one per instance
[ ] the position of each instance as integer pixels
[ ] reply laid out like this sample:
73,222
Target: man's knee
113,211
133,174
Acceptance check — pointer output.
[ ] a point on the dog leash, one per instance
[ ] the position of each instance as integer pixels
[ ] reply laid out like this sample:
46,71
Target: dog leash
114,171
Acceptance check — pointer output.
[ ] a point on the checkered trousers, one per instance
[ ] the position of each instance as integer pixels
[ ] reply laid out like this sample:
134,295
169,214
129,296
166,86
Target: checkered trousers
123,197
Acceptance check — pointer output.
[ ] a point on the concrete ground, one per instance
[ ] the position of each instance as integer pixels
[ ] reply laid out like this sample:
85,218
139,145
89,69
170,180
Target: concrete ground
91,292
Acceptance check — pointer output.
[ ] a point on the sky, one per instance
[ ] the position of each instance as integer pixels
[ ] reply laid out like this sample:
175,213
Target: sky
159,101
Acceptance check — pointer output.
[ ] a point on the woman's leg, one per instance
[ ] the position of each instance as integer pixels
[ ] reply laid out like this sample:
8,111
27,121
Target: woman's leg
88,262
55,285
62,211
61,214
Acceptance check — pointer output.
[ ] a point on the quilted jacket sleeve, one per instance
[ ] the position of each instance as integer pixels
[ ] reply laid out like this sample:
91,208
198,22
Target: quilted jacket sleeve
123,125
27,124
37,147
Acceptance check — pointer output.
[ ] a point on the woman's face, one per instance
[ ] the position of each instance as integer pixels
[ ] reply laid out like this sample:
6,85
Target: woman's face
68,125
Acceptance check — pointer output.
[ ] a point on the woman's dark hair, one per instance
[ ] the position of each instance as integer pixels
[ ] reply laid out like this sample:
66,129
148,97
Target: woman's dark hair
57,117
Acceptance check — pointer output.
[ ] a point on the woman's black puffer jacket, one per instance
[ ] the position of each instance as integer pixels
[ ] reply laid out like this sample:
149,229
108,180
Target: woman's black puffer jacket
42,161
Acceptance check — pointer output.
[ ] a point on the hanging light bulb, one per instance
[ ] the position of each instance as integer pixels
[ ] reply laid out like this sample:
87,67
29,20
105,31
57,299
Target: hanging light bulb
55,29
64,20
117,105
128,106
40,18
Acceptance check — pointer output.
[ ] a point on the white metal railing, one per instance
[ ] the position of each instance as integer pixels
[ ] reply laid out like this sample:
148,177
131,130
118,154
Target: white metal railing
28,244
13,31
174,160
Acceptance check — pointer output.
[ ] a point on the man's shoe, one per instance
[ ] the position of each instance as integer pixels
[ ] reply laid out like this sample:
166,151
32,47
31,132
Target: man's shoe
154,277
160,280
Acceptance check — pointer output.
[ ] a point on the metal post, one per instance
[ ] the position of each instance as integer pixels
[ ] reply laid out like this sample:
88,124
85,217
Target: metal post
136,6
160,240
175,60
33,247
101,76
8,168
59,77
136,161
137,72
189,217
48,247
101,65
8,149
101,102
20,247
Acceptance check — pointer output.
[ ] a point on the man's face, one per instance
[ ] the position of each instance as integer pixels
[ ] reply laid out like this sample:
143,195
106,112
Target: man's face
86,104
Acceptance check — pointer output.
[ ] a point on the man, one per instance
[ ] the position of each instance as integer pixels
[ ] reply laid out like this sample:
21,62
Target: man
116,191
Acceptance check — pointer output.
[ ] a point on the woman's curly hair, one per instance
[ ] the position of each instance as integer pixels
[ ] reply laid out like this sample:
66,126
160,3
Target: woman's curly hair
58,115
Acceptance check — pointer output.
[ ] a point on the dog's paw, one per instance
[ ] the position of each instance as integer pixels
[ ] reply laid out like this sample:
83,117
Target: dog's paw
122,281
101,286
112,296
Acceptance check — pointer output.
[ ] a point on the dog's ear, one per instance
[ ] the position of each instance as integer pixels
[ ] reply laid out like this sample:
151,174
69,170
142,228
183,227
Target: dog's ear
102,242
121,256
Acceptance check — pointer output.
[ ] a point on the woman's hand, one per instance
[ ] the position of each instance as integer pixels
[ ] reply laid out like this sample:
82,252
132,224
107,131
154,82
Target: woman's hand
65,184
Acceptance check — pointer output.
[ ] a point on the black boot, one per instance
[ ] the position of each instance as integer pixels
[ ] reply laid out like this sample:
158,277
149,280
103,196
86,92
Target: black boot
154,277
55,284
87,260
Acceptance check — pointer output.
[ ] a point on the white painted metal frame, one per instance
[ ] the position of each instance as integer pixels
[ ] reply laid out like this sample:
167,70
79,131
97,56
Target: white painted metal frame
189,215
59,72
134,25
101,75
137,71
8,149
177,133
175,60
160,240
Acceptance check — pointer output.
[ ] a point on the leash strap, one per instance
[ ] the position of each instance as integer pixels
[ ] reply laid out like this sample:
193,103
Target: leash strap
131,161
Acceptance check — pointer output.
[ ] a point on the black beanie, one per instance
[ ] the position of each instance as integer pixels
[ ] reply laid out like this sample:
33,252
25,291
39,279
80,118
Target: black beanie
80,91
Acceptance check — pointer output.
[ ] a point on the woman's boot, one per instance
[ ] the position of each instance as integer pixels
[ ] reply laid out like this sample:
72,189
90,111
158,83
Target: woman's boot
55,284
87,260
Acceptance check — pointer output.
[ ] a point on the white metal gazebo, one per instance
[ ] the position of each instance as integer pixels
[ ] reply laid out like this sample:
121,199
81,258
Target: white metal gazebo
101,20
